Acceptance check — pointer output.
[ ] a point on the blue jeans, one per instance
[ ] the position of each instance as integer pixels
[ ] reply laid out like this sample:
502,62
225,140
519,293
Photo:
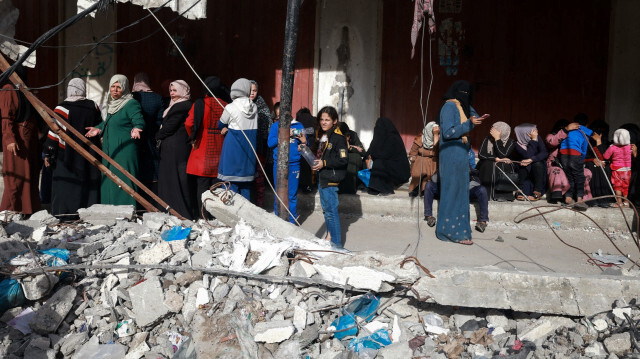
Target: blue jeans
329,202
294,178
242,188
431,190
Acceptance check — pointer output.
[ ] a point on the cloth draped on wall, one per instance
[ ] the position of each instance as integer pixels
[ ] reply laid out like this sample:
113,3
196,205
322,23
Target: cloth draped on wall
20,171
174,184
390,164
421,7
76,182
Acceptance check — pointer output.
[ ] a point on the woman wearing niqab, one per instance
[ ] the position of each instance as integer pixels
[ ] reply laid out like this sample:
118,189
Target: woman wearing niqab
390,164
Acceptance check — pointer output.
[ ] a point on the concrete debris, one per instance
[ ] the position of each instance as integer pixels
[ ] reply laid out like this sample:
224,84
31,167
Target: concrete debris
227,291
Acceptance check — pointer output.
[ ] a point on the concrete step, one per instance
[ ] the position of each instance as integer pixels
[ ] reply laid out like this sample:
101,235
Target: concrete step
402,206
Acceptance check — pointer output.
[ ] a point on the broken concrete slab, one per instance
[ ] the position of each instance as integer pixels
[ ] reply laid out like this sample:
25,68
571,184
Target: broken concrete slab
618,344
155,220
239,208
302,269
10,247
527,292
146,299
545,326
273,332
37,286
52,313
106,214
155,255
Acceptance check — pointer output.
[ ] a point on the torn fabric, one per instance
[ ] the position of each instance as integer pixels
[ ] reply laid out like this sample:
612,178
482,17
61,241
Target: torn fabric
421,7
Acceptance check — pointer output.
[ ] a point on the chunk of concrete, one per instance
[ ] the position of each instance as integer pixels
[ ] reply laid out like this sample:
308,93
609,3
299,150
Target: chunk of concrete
173,301
73,341
106,214
573,295
88,249
154,220
37,286
299,318
145,299
545,326
239,208
138,346
302,269
618,343
273,332
155,255
52,313
10,248
595,350
395,350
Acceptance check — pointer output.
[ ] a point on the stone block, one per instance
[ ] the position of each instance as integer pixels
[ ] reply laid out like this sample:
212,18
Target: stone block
138,346
37,286
106,214
618,343
545,326
395,350
187,278
595,350
90,248
302,269
220,292
273,332
299,318
145,299
10,248
154,220
52,313
173,301
155,255
73,341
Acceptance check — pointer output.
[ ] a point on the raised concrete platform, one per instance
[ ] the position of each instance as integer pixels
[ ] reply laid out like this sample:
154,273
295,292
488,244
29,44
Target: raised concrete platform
402,206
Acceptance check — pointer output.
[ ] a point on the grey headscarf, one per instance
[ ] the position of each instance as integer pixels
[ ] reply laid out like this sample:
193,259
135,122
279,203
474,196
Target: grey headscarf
522,134
505,132
240,88
427,135
76,90
114,106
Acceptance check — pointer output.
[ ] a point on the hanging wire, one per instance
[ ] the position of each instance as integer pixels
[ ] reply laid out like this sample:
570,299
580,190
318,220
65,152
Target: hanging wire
242,131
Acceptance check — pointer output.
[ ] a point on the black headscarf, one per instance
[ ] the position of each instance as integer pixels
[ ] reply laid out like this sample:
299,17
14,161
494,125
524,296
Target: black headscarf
559,125
219,90
463,92
386,143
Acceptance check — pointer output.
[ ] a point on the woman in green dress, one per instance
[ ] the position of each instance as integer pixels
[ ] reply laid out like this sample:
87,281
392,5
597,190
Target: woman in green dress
119,132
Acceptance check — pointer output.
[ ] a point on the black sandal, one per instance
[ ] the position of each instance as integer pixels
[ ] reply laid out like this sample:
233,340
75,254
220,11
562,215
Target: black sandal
481,226
431,220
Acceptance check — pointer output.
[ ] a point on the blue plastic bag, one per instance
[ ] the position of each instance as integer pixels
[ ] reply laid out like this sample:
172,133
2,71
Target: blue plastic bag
11,294
363,307
364,176
376,341
56,253
176,233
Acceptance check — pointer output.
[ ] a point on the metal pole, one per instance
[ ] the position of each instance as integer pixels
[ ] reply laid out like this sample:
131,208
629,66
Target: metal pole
46,113
286,95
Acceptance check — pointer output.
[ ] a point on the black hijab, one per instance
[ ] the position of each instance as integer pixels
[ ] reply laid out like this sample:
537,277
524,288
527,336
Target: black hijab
559,125
463,92
219,90
387,143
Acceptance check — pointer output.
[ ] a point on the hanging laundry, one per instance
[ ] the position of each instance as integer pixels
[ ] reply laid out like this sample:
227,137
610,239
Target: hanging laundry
421,7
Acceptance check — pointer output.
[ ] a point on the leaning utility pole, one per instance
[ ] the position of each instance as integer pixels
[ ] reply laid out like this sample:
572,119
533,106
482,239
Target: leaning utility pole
286,95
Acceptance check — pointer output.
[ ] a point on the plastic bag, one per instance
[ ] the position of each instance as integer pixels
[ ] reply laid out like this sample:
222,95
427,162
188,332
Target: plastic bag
364,176
176,233
376,341
11,295
362,307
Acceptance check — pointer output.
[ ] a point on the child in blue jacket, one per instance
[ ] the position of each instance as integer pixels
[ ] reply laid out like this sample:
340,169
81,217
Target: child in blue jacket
294,163
572,152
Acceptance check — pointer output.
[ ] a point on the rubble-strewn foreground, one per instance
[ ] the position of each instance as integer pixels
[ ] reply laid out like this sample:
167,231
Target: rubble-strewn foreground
137,290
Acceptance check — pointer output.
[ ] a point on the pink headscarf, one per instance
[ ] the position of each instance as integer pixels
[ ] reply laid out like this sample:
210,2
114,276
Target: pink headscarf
184,94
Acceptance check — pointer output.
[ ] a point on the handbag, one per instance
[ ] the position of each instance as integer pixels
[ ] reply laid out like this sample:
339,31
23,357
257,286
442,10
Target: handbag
504,180
364,176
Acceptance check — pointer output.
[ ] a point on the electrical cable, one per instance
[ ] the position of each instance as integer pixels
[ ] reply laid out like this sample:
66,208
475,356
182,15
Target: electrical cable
241,130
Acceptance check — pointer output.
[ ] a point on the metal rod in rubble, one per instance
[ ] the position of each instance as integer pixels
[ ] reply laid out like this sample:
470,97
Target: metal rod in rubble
286,95
46,113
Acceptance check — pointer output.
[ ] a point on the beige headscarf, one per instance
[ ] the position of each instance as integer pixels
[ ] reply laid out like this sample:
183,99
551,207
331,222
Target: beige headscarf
505,132
184,94
76,90
427,135
114,106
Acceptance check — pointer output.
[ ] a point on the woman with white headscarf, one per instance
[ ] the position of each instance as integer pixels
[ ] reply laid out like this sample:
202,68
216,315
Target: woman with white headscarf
495,151
120,132
76,183
174,184
424,158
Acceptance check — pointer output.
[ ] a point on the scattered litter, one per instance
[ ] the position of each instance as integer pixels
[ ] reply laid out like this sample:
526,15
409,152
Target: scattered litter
522,238
21,321
376,341
176,233
610,258
499,239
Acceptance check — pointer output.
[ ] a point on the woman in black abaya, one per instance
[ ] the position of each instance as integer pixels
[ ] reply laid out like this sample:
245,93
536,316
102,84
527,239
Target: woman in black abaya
390,167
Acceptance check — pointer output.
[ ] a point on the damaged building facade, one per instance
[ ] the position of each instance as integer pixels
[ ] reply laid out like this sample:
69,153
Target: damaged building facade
529,62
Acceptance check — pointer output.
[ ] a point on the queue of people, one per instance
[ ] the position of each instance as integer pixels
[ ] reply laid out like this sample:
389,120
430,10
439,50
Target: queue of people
174,145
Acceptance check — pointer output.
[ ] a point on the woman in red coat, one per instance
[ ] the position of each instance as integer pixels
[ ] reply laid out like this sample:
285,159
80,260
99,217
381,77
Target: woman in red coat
205,137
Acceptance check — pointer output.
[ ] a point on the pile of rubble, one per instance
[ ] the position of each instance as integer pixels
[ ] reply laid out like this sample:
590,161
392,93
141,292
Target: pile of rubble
116,286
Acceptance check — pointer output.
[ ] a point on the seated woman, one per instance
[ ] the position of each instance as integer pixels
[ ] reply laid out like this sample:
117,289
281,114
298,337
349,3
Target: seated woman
558,182
349,185
390,167
495,151
424,158
532,154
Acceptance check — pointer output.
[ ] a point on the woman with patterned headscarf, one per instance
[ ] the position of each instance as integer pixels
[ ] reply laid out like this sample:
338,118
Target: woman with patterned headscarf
120,134
423,157
495,151
76,183
174,185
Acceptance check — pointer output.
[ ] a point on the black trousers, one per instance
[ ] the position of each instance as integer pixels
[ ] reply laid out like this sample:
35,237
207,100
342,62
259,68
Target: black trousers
535,172
573,167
